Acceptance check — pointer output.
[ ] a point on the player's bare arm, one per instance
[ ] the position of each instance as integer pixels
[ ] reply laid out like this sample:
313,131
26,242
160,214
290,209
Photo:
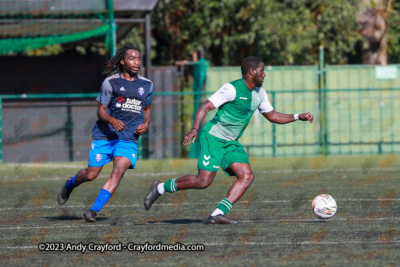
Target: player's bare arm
281,118
219,140
200,114
104,116
142,128
119,145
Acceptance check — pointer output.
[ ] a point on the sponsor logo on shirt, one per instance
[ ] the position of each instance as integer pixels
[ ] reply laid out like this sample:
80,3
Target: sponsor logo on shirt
243,98
141,90
119,101
122,89
132,105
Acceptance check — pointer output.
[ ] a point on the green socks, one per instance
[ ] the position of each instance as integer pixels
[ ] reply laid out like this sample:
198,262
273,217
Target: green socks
225,206
170,186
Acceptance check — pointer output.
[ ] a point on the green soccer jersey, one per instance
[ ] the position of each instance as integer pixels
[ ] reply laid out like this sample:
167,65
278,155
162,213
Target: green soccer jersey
236,104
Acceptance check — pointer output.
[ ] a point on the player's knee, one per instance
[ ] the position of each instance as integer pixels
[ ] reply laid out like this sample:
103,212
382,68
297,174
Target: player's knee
248,177
203,183
91,175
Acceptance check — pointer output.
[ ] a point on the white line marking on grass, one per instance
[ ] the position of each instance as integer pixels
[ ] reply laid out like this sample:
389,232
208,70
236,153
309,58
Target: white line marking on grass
300,243
27,178
325,170
369,199
84,165
55,227
46,166
29,247
152,174
259,244
286,221
189,204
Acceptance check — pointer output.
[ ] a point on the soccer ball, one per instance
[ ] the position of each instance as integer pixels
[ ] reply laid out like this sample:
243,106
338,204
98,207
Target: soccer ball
324,206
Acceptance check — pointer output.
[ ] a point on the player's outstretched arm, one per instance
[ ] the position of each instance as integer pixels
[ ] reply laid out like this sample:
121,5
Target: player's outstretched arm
142,128
200,114
281,118
104,116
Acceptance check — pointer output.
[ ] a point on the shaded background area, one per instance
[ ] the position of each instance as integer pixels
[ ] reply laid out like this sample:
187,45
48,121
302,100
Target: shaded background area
51,74
44,130
355,111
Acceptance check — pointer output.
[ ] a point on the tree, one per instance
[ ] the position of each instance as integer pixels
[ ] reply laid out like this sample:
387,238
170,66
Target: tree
282,32
338,31
393,31
374,27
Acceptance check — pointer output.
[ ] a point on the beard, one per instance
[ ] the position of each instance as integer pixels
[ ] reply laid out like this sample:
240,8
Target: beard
131,73
258,82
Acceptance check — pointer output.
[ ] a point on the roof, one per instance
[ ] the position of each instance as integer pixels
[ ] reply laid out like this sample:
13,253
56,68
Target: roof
134,5
36,7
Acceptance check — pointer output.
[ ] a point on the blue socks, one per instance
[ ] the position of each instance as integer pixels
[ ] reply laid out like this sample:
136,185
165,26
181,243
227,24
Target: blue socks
101,200
71,184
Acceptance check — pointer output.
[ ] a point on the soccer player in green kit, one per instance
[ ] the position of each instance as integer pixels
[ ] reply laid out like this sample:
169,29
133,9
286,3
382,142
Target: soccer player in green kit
236,103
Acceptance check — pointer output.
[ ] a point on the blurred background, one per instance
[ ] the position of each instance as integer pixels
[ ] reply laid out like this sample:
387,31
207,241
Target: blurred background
336,59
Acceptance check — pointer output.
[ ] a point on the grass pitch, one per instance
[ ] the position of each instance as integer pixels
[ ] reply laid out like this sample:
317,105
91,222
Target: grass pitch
276,225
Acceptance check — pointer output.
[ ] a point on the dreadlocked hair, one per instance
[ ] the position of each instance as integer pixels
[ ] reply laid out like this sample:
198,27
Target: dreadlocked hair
114,65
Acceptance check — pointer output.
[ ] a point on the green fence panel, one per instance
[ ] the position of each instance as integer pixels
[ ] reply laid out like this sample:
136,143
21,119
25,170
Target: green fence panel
277,77
362,77
359,114
361,111
291,89
363,121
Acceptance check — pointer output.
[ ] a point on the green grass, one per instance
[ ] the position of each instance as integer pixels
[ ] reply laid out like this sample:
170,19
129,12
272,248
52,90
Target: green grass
276,226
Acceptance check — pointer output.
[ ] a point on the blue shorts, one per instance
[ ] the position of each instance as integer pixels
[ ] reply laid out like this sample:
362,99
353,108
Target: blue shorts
103,151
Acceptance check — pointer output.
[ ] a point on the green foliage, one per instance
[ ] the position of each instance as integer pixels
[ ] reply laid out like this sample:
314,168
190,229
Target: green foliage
282,32
393,34
135,38
49,50
338,30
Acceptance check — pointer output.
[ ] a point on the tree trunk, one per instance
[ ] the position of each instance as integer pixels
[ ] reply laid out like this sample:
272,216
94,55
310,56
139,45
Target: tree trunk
373,20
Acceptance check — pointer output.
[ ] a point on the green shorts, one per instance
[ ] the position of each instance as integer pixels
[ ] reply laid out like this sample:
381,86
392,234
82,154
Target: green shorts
216,152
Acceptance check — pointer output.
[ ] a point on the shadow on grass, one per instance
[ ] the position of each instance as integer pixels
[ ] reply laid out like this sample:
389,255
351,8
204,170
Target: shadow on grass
178,221
72,218
316,221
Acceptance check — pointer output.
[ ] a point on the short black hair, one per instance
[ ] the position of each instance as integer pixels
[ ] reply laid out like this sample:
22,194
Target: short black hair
250,63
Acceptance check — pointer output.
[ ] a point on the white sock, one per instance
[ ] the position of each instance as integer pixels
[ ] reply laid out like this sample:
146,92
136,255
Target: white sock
160,188
217,212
